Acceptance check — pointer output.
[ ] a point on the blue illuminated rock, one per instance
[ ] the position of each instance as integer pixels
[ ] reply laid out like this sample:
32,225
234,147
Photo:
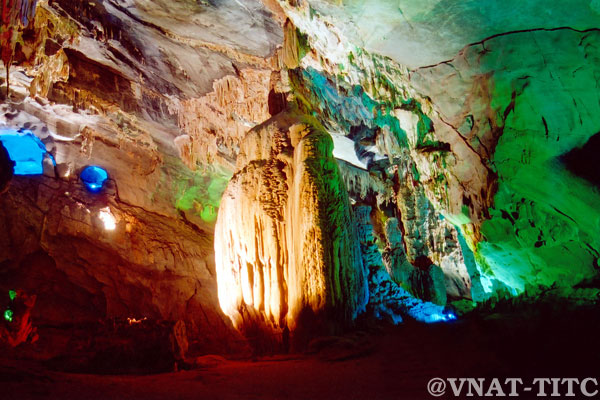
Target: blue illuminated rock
25,150
93,178
387,300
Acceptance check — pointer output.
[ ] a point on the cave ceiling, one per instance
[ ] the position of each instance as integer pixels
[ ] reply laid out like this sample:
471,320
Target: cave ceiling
421,33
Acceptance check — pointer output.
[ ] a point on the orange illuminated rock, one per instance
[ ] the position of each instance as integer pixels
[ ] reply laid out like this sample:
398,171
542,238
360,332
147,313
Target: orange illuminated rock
287,255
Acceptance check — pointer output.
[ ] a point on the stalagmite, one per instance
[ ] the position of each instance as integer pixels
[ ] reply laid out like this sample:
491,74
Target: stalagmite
286,251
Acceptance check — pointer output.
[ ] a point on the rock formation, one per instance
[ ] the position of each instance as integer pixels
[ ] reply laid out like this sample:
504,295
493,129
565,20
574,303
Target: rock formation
387,300
521,120
456,130
119,85
286,250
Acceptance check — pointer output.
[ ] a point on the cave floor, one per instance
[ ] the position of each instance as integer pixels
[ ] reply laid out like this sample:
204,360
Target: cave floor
386,362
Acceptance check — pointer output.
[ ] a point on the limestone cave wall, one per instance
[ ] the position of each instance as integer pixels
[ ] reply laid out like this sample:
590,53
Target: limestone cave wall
484,140
280,168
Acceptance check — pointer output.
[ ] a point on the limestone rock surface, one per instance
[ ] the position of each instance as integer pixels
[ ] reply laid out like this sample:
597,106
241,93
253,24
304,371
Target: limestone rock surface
286,250
486,135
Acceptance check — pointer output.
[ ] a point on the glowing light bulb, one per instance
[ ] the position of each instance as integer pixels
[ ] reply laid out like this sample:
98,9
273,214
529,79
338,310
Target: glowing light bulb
109,221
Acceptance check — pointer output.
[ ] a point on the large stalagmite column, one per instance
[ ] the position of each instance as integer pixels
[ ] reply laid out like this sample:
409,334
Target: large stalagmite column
287,255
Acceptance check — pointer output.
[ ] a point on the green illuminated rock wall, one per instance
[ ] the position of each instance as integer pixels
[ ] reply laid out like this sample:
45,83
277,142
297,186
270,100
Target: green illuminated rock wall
523,101
484,136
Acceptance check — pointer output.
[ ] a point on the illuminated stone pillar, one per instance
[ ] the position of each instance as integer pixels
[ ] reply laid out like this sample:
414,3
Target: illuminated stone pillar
287,255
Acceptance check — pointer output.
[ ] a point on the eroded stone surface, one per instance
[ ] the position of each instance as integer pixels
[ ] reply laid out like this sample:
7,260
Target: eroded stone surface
149,266
530,101
411,171
477,135
286,250
430,31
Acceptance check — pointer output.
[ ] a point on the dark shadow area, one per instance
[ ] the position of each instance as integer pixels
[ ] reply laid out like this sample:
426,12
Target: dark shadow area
6,169
377,361
583,161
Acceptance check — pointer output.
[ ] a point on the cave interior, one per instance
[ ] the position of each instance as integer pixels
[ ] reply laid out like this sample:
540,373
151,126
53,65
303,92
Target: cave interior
298,199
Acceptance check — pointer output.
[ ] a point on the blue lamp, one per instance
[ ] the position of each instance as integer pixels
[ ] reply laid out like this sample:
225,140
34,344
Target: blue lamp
93,178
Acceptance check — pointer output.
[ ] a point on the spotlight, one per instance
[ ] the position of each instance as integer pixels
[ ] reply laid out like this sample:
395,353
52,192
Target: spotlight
109,221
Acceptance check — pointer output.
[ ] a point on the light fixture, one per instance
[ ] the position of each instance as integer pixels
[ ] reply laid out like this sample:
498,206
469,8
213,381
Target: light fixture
93,178
109,221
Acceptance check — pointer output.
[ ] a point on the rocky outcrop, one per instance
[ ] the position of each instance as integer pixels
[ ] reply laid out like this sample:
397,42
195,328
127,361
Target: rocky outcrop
387,300
215,124
469,136
132,250
427,236
427,281
58,245
409,169
132,64
121,85
527,105
286,249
